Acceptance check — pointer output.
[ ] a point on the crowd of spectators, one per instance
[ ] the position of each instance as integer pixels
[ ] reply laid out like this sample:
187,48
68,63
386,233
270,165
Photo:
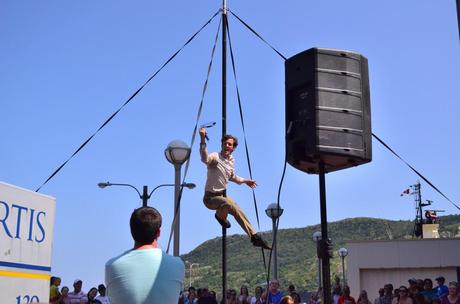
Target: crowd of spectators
417,291
77,295
260,296
420,291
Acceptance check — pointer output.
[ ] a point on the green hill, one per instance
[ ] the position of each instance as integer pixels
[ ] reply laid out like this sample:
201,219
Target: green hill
297,261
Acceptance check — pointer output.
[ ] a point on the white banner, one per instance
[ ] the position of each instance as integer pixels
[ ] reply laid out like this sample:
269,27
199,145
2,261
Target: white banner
26,237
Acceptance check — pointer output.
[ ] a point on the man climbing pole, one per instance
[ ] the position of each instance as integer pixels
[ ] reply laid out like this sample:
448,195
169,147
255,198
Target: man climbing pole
221,169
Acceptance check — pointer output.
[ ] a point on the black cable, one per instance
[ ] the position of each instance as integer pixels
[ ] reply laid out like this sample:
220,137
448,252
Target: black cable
255,33
200,107
416,172
242,123
125,103
245,140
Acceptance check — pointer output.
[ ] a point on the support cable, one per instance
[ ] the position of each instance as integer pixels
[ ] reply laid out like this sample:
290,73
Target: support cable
244,136
242,124
200,108
125,103
255,33
415,170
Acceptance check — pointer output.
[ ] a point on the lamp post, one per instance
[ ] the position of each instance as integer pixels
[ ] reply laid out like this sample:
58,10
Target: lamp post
274,211
177,152
145,196
343,252
190,273
316,239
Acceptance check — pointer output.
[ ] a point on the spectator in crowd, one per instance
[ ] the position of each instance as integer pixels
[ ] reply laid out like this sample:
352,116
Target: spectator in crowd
243,298
257,298
345,298
77,296
273,295
336,293
287,300
54,290
387,294
91,297
429,294
404,297
291,289
442,289
396,296
363,298
64,298
381,294
231,297
296,297
453,296
191,297
102,297
144,274
206,297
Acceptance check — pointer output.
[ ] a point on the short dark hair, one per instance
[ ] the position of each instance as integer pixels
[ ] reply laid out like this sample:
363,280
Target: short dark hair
145,225
228,136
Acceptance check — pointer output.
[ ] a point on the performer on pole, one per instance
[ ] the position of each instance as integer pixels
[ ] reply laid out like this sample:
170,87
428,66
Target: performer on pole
221,169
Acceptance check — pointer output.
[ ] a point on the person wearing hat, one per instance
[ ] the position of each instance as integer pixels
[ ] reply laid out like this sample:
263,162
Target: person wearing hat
77,295
442,289
144,274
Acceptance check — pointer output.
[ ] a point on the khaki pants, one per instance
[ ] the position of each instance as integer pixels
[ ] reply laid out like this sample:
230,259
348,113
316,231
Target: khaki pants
224,206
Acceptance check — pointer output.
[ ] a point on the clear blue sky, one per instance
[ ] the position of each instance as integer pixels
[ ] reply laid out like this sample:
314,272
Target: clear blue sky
67,65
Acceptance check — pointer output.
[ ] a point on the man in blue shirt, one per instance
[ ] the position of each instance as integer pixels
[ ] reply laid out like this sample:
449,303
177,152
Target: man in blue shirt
442,289
144,274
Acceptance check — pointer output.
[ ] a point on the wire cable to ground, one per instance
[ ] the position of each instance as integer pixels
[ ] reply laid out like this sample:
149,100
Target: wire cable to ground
244,136
125,103
200,107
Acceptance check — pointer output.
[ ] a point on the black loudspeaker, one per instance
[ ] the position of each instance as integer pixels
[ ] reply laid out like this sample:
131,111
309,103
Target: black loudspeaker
327,110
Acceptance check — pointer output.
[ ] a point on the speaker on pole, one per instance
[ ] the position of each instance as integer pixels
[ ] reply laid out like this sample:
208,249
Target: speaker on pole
327,110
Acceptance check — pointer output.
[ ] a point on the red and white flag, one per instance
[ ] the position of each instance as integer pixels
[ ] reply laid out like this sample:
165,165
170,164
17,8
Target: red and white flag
406,192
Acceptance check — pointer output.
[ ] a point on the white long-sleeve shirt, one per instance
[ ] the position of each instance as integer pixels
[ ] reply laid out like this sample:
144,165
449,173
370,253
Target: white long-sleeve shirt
220,170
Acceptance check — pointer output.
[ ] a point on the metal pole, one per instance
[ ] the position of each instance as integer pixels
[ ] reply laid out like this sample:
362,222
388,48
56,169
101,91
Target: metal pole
224,131
275,251
176,210
325,260
145,196
343,271
319,272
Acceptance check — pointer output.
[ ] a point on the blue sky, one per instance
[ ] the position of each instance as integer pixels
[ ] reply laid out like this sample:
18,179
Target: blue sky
68,65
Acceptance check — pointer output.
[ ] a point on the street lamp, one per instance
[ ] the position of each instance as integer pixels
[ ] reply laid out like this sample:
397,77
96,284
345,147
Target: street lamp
145,196
177,152
343,252
316,239
190,273
274,211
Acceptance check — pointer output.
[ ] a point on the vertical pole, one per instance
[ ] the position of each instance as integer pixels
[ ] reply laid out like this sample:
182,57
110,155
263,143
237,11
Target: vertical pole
319,272
275,251
145,196
176,210
343,271
224,131
325,260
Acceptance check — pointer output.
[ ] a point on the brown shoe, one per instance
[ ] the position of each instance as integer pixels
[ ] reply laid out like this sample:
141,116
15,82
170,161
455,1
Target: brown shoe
224,223
257,241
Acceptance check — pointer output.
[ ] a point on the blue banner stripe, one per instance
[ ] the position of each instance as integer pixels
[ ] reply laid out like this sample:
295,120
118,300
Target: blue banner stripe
25,266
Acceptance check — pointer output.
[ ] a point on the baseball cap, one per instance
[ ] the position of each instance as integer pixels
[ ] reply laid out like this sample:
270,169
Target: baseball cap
440,278
77,280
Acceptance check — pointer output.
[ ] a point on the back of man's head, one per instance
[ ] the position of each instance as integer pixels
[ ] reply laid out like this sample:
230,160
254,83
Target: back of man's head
145,225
